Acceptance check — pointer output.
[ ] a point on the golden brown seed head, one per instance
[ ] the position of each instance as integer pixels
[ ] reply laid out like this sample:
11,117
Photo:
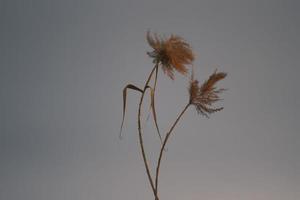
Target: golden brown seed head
172,53
204,96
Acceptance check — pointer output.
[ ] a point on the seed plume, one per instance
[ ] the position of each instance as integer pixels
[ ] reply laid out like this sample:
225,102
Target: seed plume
171,53
202,97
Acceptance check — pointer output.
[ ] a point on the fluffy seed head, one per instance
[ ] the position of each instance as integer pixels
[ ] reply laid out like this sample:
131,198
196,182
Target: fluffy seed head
171,53
202,97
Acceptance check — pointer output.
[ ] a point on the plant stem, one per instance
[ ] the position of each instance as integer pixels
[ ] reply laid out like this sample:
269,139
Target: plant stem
141,136
164,144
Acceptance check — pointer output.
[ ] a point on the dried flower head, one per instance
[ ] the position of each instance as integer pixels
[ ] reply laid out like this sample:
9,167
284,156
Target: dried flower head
172,53
203,97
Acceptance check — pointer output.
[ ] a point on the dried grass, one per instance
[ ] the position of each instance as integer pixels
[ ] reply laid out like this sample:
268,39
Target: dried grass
172,54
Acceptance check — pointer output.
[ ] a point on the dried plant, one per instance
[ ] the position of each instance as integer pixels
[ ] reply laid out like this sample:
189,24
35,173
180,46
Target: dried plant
172,54
204,96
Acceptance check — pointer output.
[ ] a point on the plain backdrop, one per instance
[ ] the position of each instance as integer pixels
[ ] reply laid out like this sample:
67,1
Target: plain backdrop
63,65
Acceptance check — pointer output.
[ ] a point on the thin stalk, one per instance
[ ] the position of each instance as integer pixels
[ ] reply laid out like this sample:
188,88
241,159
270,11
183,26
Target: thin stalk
164,144
149,112
141,136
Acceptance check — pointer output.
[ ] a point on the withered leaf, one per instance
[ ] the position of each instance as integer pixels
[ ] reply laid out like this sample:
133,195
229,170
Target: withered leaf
152,92
129,86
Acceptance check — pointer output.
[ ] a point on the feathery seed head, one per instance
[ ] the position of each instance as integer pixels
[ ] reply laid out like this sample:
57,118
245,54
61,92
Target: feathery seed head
172,53
202,97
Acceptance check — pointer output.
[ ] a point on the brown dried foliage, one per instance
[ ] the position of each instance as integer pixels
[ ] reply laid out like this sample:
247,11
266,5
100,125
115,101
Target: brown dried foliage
172,53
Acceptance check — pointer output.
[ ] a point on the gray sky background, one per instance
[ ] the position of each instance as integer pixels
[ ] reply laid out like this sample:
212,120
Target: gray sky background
63,65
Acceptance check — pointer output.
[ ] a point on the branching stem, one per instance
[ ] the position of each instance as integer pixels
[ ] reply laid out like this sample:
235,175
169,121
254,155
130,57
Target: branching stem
163,146
141,135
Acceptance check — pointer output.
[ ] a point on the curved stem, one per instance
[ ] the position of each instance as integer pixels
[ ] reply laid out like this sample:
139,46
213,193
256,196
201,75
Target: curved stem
141,136
164,144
